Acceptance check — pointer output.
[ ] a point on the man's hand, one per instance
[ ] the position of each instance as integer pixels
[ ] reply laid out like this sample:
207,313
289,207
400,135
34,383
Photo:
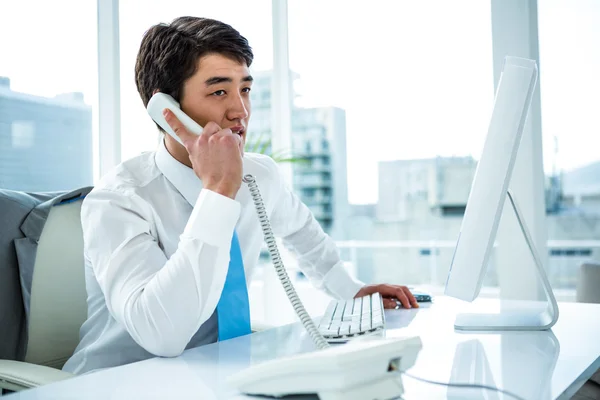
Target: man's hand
390,293
215,155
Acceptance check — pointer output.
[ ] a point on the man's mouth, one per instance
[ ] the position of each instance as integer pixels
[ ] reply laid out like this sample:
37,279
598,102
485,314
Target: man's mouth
238,130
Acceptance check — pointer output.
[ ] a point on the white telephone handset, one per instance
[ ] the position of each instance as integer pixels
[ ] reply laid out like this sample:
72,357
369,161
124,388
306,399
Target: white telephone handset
158,103
345,372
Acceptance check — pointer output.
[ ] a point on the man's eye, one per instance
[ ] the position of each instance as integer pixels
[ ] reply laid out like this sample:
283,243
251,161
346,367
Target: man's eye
219,93
246,90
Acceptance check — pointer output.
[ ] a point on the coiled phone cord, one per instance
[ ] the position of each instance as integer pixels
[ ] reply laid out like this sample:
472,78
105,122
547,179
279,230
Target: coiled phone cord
290,291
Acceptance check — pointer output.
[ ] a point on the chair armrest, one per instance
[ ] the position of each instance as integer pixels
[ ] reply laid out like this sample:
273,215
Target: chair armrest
17,375
596,377
257,326
588,283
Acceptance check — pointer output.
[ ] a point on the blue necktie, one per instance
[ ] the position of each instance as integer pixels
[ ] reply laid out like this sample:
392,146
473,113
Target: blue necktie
233,309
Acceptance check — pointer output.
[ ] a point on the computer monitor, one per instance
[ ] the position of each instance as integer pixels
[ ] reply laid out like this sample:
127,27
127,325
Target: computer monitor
489,191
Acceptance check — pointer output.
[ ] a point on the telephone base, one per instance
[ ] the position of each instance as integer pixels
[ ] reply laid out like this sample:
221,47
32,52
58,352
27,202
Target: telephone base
360,370
388,387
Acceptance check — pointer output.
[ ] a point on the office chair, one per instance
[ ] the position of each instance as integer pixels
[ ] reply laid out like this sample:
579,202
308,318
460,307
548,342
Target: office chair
588,291
588,283
58,305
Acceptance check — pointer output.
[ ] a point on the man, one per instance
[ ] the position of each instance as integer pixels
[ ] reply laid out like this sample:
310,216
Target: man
171,237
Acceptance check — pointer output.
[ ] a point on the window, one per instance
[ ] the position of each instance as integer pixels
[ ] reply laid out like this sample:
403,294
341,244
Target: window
251,19
308,193
453,211
569,33
395,80
571,252
23,134
307,147
48,94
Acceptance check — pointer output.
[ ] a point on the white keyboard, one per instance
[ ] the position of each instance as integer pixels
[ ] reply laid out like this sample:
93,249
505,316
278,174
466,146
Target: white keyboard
347,319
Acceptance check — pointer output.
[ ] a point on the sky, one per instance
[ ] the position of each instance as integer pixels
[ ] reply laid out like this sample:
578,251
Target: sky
415,77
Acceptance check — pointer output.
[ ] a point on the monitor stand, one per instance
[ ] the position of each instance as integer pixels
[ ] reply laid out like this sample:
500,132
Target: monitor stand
525,316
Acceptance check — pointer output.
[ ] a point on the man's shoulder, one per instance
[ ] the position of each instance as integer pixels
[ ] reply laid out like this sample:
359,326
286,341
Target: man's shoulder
131,175
259,164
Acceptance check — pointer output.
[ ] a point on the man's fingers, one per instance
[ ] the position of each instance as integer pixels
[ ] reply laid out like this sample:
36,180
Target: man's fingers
225,136
389,303
400,295
228,137
225,132
210,129
393,292
389,294
385,290
177,126
411,298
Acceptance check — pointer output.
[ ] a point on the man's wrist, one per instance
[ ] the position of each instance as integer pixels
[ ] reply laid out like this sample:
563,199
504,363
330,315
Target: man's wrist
224,190
213,218
340,283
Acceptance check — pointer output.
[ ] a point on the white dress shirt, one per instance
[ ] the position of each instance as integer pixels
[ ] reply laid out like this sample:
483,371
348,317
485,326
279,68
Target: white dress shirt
157,251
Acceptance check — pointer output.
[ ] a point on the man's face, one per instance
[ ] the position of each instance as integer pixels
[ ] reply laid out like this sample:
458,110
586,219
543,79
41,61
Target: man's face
219,91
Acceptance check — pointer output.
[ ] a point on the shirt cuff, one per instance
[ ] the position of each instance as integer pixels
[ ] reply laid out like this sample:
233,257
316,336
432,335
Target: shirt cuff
213,218
341,283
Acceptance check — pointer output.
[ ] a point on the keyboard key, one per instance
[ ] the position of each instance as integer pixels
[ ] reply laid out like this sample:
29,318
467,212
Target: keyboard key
345,328
350,310
357,305
327,317
366,305
375,300
331,308
355,326
365,323
331,332
339,311
348,315
377,324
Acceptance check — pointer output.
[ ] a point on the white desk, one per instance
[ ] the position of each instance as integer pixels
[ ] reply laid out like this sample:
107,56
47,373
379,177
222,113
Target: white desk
536,365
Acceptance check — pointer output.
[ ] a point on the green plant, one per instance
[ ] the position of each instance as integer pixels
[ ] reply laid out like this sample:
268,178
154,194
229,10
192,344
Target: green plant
262,145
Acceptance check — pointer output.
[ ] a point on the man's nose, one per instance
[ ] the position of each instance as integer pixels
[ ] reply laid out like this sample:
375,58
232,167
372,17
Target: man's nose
237,108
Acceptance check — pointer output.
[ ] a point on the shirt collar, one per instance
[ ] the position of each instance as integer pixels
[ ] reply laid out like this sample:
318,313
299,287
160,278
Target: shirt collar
181,176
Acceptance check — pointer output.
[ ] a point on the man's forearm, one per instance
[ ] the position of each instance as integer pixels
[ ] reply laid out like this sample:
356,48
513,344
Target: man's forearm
161,302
